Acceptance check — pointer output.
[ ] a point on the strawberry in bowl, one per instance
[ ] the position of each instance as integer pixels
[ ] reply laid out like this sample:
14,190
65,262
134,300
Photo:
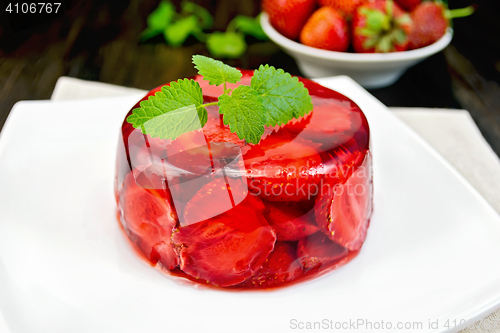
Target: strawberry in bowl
380,26
244,179
374,42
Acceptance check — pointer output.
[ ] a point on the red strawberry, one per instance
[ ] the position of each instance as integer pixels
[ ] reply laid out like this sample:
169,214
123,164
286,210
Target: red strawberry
334,126
331,124
380,26
216,132
183,169
408,5
280,169
227,249
295,126
430,21
291,221
192,162
345,209
280,267
346,6
326,29
219,196
189,154
317,251
149,218
288,16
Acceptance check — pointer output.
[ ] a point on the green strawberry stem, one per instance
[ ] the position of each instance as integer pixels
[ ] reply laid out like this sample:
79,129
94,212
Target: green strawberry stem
460,12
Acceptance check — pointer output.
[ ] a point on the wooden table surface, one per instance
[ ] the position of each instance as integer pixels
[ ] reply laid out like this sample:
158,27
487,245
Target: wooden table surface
98,40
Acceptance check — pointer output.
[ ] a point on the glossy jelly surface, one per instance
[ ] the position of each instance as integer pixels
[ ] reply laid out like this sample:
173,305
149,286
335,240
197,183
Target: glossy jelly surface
218,211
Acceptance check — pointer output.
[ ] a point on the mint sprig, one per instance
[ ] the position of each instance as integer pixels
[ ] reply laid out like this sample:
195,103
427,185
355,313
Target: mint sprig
273,98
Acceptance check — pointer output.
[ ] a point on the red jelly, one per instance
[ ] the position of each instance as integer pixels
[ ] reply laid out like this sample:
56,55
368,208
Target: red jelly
219,211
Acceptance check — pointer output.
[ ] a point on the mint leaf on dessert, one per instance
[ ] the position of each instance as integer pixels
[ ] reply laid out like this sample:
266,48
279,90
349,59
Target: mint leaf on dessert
172,124
178,98
274,98
284,97
244,113
214,71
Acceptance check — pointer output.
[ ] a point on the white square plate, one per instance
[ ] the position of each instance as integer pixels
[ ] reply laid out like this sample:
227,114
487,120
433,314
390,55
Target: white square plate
65,266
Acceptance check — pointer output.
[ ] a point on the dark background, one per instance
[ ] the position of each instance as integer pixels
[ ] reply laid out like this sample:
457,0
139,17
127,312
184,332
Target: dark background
98,40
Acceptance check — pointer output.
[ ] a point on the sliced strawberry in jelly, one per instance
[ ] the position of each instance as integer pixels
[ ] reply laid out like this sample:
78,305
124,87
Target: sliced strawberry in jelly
217,132
291,221
291,129
148,217
296,126
345,208
260,223
339,164
331,124
219,196
189,155
317,252
280,267
280,169
227,249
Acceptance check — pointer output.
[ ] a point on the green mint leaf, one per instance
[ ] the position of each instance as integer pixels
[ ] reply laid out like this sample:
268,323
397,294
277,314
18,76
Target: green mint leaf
177,33
284,97
244,113
248,26
170,112
215,71
204,16
229,45
161,17
172,124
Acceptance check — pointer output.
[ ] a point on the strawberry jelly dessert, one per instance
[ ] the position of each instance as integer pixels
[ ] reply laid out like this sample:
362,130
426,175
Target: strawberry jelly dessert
217,210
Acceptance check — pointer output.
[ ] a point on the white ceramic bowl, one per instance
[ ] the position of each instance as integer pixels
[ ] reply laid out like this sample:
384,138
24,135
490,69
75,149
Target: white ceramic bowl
371,70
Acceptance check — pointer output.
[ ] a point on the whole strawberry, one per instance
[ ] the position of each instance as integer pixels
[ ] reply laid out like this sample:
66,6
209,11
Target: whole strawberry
430,21
380,26
288,16
326,29
348,7
408,5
